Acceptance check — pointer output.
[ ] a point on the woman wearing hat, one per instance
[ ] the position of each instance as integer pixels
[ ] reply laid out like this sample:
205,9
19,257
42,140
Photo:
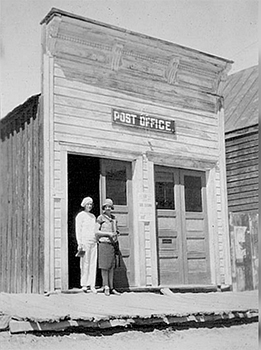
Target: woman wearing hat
107,235
85,224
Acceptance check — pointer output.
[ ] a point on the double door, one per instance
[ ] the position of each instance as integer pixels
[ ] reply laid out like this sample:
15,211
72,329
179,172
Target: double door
182,230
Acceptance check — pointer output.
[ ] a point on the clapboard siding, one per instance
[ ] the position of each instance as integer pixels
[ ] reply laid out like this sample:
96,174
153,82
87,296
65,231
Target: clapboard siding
103,96
147,88
76,116
242,172
21,197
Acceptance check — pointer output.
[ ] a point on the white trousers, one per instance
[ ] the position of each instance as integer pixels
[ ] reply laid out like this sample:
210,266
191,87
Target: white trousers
88,265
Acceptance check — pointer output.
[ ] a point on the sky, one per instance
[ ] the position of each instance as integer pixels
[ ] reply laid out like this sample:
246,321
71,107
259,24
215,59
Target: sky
227,29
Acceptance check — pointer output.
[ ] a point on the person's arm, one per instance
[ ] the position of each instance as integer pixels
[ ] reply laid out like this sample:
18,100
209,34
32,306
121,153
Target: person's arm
104,234
78,230
100,233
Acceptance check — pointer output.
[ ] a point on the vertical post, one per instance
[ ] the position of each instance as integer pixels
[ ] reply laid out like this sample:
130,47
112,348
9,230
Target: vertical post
47,94
138,231
212,225
223,194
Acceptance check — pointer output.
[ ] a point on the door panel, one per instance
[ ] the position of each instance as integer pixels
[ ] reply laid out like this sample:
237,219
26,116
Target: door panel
168,233
116,184
181,226
193,200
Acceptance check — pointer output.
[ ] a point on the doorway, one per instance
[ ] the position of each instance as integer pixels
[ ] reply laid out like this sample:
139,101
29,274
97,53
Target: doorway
83,181
100,179
182,231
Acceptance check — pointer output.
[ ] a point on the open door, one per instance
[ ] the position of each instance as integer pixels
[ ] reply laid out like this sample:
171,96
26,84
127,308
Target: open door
115,182
83,181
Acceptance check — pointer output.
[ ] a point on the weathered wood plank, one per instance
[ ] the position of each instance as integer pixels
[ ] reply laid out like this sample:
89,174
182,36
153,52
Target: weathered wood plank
248,130
240,171
242,139
163,48
105,97
244,201
12,233
93,122
243,182
30,210
24,208
5,145
244,195
167,94
134,63
246,147
237,154
122,140
97,110
19,180
231,161
241,189
100,113
243,207
35,206
241,165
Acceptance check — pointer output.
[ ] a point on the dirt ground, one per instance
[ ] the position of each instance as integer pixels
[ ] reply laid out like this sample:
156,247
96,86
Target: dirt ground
240,337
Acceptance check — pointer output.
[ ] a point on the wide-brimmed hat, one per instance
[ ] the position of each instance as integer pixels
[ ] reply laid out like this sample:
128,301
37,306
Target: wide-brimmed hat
86,200
109,202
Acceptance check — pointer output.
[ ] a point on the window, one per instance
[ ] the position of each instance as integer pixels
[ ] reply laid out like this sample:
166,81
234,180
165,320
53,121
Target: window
165,193
116,182
193,198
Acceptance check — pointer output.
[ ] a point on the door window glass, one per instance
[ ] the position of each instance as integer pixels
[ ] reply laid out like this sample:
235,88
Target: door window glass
193,198
116,182
165,192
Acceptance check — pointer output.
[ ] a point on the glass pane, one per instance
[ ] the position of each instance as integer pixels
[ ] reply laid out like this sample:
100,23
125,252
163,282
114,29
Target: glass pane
165,193
116,182
193,199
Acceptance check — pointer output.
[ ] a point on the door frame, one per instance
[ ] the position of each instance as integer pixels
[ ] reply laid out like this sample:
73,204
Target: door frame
61,193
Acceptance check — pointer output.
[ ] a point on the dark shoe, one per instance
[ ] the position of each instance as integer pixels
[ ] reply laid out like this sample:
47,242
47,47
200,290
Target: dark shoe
114,291
107,291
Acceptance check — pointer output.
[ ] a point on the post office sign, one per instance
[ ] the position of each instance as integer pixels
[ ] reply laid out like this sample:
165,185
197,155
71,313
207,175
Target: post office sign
143,120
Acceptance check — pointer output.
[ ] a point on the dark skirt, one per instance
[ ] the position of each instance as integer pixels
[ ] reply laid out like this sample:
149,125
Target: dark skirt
106,256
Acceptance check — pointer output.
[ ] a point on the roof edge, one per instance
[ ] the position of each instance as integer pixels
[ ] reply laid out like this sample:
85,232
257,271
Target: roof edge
57,12
16,110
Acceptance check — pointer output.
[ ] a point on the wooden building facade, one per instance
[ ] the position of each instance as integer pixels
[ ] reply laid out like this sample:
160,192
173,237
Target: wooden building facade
241,138
139,120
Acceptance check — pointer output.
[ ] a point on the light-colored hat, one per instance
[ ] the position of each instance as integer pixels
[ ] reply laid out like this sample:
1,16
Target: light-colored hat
86,200
109,202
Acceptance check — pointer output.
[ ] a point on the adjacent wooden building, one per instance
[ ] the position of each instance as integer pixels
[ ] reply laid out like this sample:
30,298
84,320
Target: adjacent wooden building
125,116
241,135
21,215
